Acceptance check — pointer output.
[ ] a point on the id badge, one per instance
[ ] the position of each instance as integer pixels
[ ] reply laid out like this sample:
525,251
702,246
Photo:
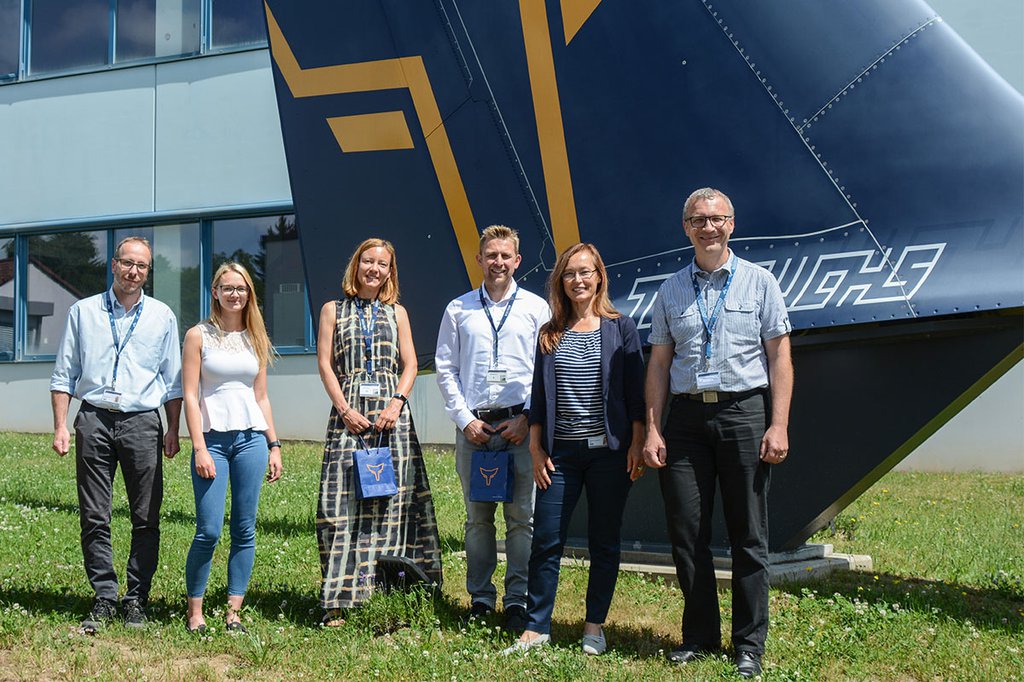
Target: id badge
709,381
112,397
597,442
497,375
369,389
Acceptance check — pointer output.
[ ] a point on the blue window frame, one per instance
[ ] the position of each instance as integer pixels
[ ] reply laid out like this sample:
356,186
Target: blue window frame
10,39
42,272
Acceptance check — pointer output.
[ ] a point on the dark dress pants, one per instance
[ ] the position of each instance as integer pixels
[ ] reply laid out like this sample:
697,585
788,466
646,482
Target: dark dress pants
603,473
705,442
133,440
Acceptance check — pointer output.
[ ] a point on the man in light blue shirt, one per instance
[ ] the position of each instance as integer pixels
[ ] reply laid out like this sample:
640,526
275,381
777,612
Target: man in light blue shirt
720,342
119,355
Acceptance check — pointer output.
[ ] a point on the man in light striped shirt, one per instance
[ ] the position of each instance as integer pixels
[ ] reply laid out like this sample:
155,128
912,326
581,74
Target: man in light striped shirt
720,342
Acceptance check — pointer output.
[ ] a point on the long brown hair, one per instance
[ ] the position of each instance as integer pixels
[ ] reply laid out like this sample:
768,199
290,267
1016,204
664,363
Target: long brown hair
252,316
389,290
561,306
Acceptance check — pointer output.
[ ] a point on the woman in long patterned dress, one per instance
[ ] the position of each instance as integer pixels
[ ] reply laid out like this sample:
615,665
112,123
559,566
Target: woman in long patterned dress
368,365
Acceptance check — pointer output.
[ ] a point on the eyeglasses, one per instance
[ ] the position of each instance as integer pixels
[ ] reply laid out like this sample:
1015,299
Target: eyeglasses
570,275
129,264
241,291
700,221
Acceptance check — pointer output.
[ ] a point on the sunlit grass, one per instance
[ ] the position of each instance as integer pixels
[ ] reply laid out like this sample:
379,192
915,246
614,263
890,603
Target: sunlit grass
946,599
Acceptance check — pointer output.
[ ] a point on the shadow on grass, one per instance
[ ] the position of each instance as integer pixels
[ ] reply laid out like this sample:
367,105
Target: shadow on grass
997,608
283,527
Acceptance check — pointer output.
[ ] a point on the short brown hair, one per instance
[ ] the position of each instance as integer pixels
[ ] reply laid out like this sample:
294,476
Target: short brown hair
140,240
499,232
389,290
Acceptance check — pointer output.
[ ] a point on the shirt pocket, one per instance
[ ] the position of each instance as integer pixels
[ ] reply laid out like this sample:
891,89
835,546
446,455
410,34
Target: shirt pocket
686,323
741,318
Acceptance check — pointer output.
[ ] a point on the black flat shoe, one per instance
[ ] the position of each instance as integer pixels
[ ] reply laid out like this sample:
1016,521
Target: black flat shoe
197,630
236,628
748,664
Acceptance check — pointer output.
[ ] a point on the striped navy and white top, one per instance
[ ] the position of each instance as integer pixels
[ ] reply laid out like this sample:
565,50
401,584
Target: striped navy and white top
579,399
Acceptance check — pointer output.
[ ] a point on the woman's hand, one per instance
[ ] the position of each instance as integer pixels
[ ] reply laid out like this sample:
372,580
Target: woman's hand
542,464
274,467
389,415
204,463
354,421
635,460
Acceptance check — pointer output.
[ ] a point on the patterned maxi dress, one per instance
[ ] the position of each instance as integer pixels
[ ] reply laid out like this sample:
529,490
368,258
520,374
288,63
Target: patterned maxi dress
352,533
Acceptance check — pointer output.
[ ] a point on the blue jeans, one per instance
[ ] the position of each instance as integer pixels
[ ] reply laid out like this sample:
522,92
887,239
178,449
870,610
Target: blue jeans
241,457
603,473
481,540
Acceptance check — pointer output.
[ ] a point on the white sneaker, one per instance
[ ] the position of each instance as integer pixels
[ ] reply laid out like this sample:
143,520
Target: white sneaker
595,645
522,647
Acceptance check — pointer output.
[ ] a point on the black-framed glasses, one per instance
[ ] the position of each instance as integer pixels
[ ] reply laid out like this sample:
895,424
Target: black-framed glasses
700,221
226,290
570,275
128,264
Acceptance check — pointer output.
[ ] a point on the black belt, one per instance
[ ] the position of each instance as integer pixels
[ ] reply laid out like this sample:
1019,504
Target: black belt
718,396
496,413
100,408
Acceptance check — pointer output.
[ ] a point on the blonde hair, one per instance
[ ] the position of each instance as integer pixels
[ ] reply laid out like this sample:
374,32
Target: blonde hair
499,232
252,316
389,290
561,306
140,240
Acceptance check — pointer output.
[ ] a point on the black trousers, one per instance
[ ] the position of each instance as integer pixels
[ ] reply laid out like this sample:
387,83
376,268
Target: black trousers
708,442
103,440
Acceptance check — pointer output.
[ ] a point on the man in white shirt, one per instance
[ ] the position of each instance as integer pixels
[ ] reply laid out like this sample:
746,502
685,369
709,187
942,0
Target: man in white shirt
485,351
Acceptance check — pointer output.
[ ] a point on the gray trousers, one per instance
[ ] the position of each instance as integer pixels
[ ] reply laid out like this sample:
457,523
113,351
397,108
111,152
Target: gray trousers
481,542
133,440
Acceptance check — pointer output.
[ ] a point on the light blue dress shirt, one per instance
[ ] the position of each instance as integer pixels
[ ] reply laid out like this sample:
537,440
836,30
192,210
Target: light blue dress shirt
753,312
149,372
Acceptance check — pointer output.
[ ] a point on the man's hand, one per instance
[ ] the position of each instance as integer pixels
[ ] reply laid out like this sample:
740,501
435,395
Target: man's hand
171,444
514,430
775,445
478,432
61,441
654,449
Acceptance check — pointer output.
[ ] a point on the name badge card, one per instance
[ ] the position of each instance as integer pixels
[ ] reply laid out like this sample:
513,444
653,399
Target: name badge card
369,389
709,381
597,442
112,397
497,375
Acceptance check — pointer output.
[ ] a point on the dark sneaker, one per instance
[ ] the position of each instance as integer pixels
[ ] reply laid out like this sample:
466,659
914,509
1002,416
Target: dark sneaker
103,612
134,614
515,619
480,610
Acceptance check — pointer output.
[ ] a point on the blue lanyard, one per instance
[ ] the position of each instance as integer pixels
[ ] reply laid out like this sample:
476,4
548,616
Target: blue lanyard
709,322
368,331
496,329
118,346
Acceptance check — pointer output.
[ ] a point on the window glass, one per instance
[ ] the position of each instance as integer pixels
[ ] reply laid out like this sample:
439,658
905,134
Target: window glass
10,38
174,279
238,22
69,34
62,268
268,247
6,299
156,28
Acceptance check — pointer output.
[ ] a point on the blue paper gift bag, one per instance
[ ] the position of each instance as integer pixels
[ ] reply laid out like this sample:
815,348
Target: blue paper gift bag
375,472
492,476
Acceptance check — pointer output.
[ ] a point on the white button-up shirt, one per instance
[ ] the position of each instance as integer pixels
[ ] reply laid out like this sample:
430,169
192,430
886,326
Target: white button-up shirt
465,351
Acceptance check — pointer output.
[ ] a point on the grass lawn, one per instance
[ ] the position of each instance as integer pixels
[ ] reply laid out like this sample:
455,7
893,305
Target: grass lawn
946,601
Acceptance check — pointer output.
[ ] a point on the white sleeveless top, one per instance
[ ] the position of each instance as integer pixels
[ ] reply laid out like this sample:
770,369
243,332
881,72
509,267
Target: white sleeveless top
229,368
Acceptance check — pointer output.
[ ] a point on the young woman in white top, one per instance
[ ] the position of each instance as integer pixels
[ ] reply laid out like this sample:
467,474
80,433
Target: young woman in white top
224,378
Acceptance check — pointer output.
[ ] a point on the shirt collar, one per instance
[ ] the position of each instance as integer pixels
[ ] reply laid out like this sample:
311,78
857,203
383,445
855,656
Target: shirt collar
118,308
508,292
728,267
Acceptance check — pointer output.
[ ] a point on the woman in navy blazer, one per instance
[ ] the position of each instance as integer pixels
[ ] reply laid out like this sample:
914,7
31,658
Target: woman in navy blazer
586,432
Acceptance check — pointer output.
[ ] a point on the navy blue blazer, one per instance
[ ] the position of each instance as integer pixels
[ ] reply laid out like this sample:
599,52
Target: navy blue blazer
622,375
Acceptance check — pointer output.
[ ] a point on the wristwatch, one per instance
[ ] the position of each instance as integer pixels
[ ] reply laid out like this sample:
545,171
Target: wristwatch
273,444
405,401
